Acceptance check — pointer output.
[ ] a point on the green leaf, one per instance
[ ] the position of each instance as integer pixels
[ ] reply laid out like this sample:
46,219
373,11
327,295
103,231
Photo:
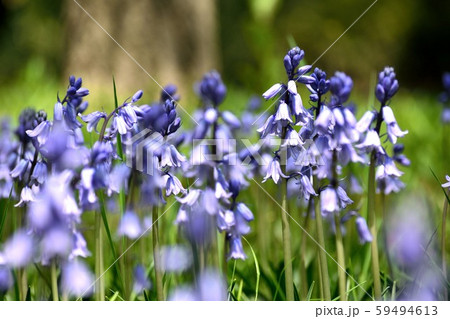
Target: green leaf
440,184
110,240
28,297
258,273
5,211
310,291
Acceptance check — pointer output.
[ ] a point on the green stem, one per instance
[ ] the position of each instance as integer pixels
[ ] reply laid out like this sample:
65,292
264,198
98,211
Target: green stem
443,248
100,284
303,276
54,276
322,254
385,232
341,259
156,255
287,246
373,229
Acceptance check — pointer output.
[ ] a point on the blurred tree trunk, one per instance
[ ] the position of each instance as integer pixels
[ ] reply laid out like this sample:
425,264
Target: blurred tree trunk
173,40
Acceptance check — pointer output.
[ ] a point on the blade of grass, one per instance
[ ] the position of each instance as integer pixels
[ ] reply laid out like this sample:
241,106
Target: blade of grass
310,291
5,211
110,240
258,273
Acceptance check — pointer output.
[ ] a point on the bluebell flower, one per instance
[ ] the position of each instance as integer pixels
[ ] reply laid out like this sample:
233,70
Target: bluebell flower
273,91
447,185
92,120
27,122
225,220
393,129
210,201
130,226
19,250
363,230
366,120
26,195
387,177
175,259
56,242
212,89
210,115
333,200
399,157
210,286
39,172
40,132
236,251
21,169
274,171
76,279
306,188
340,86
292,61
6,279
55,205
320,86
387,85
79,247
169,92
162,118
270,127
230,119
173,185
446,115
170,156
141,280
137,96
118,179
283,115
371,142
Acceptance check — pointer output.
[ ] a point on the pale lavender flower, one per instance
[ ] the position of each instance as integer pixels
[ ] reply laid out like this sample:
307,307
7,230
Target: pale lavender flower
211,286
76,279
130,226
176,259
18,251
236,251
447,185
40,132
141,280
20,170
393,129
273,91
39,172
230,119
173,185
6,279
363,230
366,120
79,248
56,242
26,195
333,200
93,119
274,171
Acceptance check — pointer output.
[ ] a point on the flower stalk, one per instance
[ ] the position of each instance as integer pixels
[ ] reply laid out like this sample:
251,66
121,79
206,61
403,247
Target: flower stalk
287,246
156,255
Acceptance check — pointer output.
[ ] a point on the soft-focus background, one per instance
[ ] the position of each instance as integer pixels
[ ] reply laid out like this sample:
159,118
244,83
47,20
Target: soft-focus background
175,41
